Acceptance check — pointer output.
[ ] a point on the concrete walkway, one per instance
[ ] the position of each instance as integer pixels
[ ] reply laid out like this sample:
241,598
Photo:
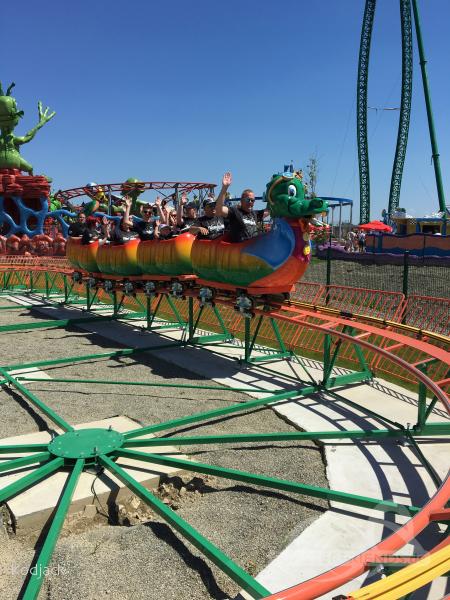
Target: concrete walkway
384,470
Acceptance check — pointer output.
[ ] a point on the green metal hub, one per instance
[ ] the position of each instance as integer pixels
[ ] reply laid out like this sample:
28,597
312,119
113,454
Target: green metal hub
86,443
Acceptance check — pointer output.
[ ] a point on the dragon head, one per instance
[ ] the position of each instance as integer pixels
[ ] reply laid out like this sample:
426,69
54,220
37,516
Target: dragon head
285,196
9,115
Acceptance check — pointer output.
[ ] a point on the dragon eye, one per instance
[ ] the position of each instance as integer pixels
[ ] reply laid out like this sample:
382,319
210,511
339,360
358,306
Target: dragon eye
292,190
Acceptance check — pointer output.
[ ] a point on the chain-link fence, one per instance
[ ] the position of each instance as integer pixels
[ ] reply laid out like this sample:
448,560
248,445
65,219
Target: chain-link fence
426,277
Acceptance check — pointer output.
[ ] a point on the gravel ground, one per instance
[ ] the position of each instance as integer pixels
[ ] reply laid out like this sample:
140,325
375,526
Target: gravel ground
149,560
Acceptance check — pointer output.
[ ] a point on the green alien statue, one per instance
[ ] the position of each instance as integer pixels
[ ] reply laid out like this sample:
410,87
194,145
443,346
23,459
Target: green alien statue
9,143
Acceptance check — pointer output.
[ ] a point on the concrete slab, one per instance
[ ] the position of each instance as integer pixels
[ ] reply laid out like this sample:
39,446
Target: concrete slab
31,372
32,508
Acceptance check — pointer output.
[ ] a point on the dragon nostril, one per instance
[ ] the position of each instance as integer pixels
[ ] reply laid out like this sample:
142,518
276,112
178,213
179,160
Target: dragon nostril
316,203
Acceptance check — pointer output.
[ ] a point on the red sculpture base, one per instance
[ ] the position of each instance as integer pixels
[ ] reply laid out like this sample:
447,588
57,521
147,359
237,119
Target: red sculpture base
28,187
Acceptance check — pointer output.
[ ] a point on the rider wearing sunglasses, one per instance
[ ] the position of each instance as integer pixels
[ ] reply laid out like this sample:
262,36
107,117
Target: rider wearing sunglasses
147,228
242,219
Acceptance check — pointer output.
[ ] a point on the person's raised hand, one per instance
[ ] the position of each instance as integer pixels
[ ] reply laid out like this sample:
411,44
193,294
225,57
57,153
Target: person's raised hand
226,179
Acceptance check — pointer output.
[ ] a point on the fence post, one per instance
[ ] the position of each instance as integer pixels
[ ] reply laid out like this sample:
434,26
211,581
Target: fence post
328,281
405,273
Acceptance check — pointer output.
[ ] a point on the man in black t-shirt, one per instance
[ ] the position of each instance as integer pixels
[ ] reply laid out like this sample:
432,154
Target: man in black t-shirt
90,232
77,229
147,228
124,231
186,214
242,219
209,226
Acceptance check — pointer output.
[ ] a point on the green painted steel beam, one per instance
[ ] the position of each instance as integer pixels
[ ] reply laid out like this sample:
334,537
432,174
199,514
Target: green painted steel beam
143,383
266,437
272,482
55,323
425,462
270,356
442,428
36,580
354,377
220,559
21,306
234,408
207,339
17,463
25,482
50,413
86,357
19,448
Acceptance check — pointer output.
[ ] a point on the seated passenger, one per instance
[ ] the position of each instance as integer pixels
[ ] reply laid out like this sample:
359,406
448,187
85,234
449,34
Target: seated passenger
90,233
124,232
209,226
147,227
162,210
166,232
186,214
172,217
76,229
242,219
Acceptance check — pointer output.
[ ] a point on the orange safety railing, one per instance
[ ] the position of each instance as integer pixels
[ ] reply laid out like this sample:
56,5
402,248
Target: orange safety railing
306,291
375,303
425,313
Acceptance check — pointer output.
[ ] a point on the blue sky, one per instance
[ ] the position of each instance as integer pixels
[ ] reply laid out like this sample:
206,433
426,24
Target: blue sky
180,90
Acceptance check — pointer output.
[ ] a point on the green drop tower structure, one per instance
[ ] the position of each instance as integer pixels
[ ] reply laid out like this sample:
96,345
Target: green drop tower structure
405,108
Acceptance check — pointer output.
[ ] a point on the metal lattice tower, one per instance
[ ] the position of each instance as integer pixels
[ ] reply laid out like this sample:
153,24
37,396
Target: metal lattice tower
361,110
405,106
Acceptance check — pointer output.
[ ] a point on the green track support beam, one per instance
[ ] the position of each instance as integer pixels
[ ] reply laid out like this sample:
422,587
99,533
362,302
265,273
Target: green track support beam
223,336
18,448
86,357
36,579
265,438
17,463
272,482
192,535
25,482
48,412
220,388
218,412
55,323
250,341
330,360
151,315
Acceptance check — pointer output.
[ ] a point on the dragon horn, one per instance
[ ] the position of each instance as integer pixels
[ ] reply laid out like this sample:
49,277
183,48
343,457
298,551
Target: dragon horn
8,91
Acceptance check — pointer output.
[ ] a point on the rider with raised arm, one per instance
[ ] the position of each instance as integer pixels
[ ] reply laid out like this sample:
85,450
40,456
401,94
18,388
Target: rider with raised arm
242,219
209,226
186,214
